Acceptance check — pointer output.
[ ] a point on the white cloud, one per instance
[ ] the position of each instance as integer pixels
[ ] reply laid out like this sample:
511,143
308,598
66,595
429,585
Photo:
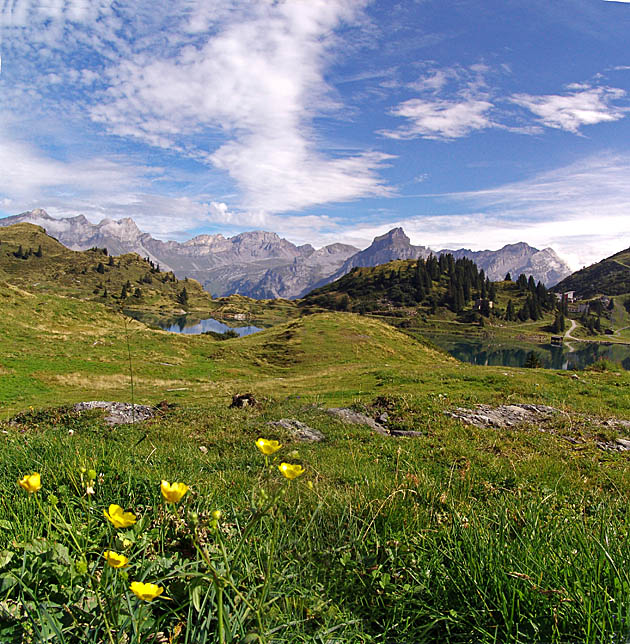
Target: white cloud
254,87
585,106
580,210
441,119
458,101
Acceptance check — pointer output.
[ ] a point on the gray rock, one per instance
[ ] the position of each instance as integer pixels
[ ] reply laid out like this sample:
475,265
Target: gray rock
119,413
502,416
355,418
298,430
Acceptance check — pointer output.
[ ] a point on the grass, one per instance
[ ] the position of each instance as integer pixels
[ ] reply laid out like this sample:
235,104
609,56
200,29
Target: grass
459,535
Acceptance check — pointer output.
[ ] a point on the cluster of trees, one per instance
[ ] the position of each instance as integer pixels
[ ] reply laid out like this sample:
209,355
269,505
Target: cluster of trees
538,300
20,253
436,281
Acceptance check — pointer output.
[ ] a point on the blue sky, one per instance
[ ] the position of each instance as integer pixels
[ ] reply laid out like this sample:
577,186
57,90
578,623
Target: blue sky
468,122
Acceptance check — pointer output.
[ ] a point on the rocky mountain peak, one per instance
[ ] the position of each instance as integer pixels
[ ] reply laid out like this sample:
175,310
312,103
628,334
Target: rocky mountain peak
394,237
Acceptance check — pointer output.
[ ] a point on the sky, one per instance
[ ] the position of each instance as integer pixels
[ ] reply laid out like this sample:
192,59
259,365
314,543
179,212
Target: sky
470,123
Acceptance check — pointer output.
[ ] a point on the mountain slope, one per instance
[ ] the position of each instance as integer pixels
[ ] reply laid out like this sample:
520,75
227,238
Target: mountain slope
544,265
32,260
611,276
262,265
256,262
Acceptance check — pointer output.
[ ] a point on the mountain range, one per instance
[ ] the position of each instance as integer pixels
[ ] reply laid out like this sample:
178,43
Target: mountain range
263,265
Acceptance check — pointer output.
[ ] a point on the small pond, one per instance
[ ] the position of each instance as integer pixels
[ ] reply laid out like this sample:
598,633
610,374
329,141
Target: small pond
514,354
189,324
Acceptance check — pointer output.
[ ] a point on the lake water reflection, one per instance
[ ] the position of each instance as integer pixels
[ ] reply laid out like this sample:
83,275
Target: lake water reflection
190,325
506,354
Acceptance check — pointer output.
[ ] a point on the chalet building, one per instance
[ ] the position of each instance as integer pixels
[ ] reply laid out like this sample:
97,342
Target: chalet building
482,303
569,296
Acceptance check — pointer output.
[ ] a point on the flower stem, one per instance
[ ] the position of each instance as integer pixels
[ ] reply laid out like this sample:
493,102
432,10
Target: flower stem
220,614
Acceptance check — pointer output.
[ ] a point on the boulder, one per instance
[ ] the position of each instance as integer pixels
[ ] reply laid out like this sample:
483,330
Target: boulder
298,430
118,413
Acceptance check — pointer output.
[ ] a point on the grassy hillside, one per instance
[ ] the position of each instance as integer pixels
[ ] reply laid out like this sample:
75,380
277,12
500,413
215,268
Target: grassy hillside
611,276
32,260
458,534
29,258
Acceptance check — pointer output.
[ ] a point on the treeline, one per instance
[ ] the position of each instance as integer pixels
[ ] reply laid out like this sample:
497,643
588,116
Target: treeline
454,284
436,281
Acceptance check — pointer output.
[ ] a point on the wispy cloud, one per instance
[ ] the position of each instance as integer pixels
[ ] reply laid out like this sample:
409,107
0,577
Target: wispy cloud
232,84
441,119
458,101
584,106
455,103
255,86
580,210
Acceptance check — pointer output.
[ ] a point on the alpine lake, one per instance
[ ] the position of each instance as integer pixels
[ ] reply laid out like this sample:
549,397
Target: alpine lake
571,356
189,324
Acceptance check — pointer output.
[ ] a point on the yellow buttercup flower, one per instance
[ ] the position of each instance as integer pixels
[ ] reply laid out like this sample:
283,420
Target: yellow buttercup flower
119,517
31,482
146,592
267,447
173,492
115,560
291,471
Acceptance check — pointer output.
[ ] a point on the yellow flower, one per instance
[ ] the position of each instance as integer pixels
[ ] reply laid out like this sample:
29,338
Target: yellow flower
291,471
267,447
115,560
147,592
173,492
31,482
119,517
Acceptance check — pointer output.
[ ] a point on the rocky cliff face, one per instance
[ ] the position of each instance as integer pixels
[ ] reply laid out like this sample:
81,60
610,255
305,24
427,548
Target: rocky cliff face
257,264
392,245
263,265
545,265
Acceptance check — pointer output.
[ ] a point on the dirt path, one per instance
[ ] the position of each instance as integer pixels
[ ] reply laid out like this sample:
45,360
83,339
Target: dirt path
568,336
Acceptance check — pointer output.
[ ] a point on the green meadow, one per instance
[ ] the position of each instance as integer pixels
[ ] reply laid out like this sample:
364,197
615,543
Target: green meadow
459,534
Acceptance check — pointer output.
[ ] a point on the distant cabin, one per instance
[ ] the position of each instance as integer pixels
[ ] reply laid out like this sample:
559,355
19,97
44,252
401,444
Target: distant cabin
483,303
568,296
557,340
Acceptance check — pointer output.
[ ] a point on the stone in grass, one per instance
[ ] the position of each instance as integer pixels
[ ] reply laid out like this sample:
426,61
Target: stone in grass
503,415
118,413
298,430
357,418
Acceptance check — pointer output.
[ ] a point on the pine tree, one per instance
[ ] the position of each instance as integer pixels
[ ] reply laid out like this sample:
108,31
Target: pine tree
182,297
510,314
